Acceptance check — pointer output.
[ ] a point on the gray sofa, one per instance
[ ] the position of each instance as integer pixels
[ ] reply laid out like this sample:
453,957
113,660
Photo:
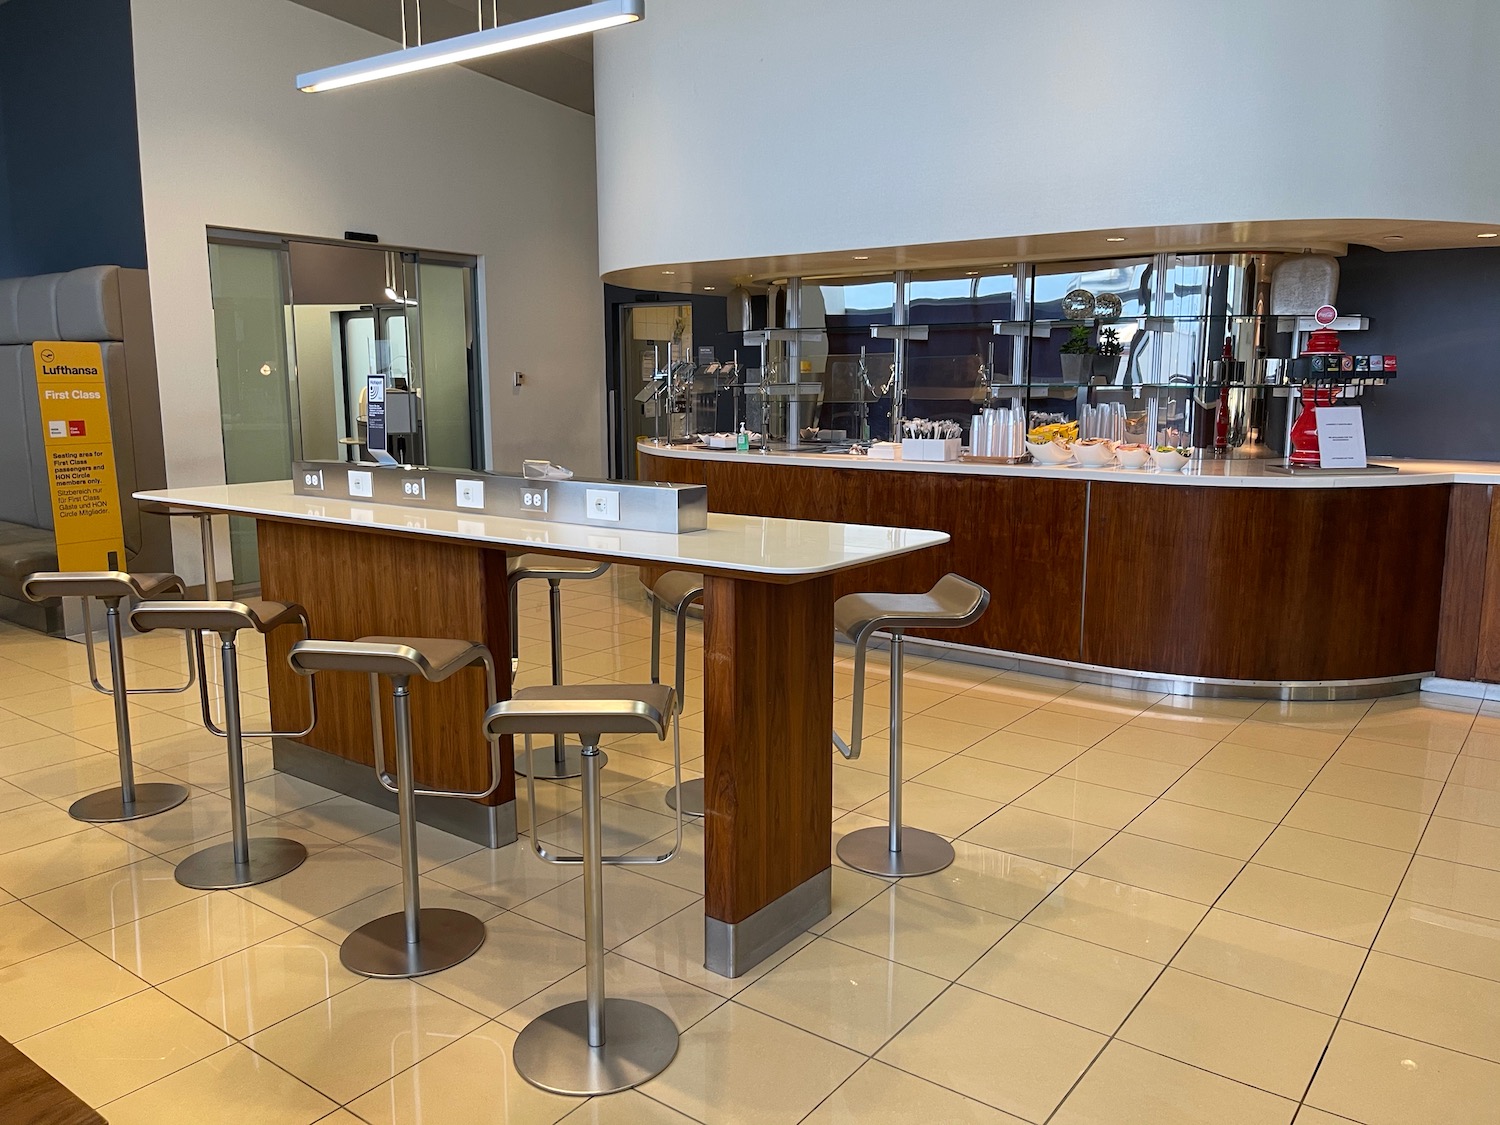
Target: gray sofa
110,306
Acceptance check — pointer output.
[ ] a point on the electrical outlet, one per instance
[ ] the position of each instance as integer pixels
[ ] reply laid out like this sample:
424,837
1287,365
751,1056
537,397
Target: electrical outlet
533,499
520,378
469,493
313,478
414,488
361,483
602,504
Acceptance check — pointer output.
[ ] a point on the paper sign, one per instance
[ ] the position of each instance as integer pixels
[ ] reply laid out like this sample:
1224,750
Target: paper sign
80,454
1341,437
375,413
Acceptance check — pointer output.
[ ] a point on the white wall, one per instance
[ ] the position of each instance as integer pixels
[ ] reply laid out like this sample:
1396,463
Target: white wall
761,127
448,160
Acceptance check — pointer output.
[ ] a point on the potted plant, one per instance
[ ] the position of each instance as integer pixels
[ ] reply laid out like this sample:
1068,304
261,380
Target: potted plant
1106,364
1077,355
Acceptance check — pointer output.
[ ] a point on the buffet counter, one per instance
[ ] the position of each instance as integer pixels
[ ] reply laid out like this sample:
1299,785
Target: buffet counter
1223,578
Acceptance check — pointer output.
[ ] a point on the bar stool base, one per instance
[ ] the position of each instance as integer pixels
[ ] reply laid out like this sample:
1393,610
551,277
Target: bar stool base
553,1052
922,853
547,768
108,807
214,869
379,948
691,795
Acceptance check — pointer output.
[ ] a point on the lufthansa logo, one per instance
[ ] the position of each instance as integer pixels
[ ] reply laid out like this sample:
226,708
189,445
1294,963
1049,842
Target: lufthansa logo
48,355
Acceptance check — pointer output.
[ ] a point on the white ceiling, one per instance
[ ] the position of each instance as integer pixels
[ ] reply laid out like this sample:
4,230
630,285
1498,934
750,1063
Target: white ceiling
562,72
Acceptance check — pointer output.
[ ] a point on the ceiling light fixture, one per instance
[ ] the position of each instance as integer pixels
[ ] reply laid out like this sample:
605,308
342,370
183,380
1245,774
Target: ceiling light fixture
477,44
1488,234
1115,238
710,288
861,257
1395,238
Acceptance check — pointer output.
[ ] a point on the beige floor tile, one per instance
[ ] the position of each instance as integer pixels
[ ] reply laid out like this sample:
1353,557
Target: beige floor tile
1340,716
54,987
187,936
943,811
625,828
1276,961
854,787
676,947
340,818
632,905
1160,739
329,879
249,991
145,726
1242,796
1061,727
13,797
101,902
519,958
16,732
1357,820
112,1051
342,922
70,779
1350,862
627,1108
980,712
505,876
473,1080
875,758
1307,1115
1160,866
1037,835
65,859
881,1093
922,931
685,1003
1123,771
1378,1078
1044,1056
233,1087
724,1061
1430,1003
364,1036
1128,1084
1130,919
1456,886
1062,976
992,781
1259,764
434,846
201,818
844,994
1420,726
282,793
1025,751
1468,769
1207,830
1435,765
1378,787
25,933
986,879
1081,800
1436,935
1240,1035
851,890
1286,738
931,729
1303,903
30,825
1477,806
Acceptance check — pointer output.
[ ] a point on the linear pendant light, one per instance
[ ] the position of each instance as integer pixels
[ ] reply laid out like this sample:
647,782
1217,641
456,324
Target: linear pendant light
477,44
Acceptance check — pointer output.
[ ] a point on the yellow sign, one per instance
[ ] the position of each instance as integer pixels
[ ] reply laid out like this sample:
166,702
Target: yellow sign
80,455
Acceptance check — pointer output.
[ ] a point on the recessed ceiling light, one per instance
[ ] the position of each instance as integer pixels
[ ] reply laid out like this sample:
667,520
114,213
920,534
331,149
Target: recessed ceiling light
709,288
866,257
1395,238
973,273
1115,238
669,273
1488,234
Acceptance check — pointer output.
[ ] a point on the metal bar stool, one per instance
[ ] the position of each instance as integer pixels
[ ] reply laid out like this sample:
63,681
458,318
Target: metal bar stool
567,1050
128,801
418,940
222,866
556,569
678,589
953,603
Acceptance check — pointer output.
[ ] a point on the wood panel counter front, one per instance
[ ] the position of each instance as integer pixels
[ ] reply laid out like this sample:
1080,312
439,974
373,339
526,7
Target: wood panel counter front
1233,575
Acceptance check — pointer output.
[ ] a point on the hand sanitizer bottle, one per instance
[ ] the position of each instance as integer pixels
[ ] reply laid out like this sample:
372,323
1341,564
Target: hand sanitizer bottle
742,440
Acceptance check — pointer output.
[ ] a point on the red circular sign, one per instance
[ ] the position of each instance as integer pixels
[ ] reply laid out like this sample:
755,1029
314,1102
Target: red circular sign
1326,315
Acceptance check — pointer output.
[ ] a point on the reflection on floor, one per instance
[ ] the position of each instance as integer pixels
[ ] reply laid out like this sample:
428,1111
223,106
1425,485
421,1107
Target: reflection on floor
1163,911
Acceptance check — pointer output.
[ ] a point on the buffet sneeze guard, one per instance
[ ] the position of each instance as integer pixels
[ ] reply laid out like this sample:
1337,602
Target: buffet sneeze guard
672,509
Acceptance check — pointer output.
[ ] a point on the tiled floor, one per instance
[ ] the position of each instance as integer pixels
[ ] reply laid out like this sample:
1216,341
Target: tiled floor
1163,911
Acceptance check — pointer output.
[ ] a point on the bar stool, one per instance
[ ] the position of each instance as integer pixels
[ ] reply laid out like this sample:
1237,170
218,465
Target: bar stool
953,603
418,940
223,866
678,589
556,569
128,801
595,1045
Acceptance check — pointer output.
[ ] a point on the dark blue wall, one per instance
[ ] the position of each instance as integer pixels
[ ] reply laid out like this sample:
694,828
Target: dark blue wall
1436,310
70,170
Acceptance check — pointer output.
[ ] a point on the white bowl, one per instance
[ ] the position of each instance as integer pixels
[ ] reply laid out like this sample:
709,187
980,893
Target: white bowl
1132,458
1095,456
1170,461
1050,452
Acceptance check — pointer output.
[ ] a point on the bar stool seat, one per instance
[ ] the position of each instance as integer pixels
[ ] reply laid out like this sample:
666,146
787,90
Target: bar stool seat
554,570
596,1045
951,604
418,940
127,801
235,864
678,589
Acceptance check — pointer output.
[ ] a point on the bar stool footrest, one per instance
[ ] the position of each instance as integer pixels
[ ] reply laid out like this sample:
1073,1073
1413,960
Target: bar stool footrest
108,806
214,869
379,948
868,850
547,768
553,1053
690,793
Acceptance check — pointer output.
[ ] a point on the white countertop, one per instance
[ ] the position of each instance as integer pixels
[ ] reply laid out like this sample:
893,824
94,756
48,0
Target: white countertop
750,545
1225,473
